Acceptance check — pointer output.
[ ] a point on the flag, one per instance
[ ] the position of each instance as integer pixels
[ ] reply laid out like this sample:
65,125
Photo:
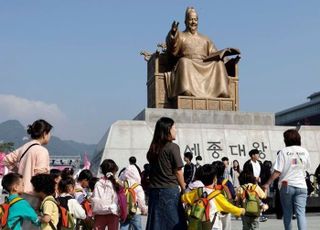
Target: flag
86,162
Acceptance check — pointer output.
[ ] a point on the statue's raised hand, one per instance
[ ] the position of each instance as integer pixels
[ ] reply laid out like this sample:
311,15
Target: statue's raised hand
174,27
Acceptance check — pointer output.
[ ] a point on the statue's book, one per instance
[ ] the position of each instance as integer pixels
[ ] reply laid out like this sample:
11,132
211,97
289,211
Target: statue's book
219,55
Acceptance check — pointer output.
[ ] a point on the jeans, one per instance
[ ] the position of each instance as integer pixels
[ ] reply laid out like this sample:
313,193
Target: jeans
165,210
297,198
133,224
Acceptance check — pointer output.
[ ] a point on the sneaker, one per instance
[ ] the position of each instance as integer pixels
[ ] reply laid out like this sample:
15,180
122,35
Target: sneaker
294,216
263,219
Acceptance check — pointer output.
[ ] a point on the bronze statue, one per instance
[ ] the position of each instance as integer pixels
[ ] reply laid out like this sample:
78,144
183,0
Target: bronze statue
200,70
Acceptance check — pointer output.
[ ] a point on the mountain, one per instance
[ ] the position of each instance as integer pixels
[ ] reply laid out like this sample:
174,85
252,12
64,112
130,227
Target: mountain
13,131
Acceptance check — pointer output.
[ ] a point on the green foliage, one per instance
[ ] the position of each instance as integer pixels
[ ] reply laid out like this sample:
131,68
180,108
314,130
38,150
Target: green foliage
6,147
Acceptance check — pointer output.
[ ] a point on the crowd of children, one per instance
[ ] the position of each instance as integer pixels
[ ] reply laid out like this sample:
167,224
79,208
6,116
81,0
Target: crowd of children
96,203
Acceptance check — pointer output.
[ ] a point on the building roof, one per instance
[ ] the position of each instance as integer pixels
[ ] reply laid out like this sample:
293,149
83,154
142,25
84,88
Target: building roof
308,110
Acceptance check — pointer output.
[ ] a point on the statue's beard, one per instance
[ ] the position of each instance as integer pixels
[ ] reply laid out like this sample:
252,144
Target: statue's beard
193,28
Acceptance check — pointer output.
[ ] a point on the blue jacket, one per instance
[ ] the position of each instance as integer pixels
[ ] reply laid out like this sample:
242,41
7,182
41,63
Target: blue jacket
21,211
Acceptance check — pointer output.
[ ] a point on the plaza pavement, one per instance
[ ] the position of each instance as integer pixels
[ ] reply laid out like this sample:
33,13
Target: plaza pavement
313,221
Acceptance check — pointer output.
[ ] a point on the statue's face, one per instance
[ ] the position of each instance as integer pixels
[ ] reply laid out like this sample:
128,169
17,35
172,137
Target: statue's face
192,22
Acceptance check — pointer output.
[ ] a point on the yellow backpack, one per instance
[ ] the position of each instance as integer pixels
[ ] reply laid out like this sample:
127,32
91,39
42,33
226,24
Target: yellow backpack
251,201
131,199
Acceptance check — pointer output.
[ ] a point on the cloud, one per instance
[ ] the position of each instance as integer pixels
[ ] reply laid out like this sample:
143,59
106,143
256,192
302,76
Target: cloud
27,111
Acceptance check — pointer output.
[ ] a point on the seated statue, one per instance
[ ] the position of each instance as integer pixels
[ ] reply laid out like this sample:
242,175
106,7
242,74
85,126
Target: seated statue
200,70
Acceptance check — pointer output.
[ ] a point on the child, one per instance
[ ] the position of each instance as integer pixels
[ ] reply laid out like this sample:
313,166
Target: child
217,204
44,187
105,199
21,209
56,174
226,186
132,177
66,199
196,183
82,187
88,223
248,183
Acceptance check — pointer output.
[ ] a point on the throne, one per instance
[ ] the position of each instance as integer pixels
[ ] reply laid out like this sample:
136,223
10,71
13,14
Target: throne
161,62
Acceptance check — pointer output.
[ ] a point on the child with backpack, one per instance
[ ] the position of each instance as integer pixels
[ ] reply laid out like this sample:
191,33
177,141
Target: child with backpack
82,189
207,203
136,204
83,194
66,199
226,188
250,195
16,210
44,187
105,204
195,184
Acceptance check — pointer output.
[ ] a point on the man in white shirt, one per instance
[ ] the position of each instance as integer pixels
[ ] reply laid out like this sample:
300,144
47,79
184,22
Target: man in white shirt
254,165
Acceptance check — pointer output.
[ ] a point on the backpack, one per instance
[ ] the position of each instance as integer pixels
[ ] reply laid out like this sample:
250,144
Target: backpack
4,213
251,201
223,187
103,201
88,223
199,218
131,199
86,205
66,221
122,201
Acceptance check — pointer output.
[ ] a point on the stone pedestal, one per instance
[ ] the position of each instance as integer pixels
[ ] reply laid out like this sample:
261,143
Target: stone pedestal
210,134
207,117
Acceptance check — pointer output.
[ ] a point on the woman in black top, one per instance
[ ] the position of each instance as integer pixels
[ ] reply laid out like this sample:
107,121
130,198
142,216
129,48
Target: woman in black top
166,176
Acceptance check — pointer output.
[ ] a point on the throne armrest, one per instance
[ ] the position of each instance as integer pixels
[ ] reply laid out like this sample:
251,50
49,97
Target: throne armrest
232,66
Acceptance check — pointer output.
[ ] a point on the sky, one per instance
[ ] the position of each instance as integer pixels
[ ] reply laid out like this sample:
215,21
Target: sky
76,63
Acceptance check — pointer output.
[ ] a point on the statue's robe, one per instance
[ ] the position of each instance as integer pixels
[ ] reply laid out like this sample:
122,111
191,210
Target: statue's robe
191,75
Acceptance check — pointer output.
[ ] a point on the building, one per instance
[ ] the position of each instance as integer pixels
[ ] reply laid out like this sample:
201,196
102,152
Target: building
61,162
304,114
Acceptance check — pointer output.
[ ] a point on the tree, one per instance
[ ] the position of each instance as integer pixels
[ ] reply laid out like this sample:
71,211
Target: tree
6,147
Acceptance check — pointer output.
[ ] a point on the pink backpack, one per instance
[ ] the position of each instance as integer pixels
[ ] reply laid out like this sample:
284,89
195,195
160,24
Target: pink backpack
122,199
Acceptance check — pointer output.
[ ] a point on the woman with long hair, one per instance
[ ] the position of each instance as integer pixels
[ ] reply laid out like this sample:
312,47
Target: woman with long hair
166,179
234,173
